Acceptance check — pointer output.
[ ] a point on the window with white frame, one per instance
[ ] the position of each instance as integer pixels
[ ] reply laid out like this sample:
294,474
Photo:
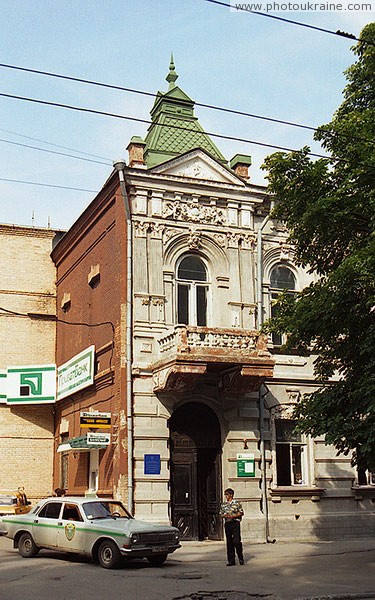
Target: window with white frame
192,291
281,279
291,454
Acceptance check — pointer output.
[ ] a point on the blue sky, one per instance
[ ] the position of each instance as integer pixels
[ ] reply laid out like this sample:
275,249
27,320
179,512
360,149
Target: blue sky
235,60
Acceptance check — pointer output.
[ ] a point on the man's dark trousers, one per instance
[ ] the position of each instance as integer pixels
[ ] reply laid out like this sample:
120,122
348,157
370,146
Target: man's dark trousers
233,536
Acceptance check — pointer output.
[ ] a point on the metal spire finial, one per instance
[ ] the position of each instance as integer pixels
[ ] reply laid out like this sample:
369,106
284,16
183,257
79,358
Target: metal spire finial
172,75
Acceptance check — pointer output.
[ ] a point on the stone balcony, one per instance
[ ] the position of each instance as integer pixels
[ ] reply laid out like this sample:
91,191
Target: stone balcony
238,359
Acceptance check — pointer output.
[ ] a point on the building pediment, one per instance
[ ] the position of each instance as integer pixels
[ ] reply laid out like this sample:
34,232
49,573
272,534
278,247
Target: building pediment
197,164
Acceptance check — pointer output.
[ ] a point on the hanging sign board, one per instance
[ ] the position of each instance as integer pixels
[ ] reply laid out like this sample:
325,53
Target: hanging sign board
31,385
98,439
152,464
95,420
245,465
76,374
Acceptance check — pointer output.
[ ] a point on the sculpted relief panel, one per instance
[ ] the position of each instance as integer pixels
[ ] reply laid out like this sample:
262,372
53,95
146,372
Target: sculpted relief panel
192,211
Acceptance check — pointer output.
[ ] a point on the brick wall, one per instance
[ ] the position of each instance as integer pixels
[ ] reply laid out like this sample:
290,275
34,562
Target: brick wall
27,285
91,289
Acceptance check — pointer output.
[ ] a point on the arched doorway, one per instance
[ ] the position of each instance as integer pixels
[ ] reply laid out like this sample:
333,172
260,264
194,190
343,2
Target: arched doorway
196,472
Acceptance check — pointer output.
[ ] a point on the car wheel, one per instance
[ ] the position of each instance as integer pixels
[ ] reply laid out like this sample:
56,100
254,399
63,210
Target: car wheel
109,555
26,546
157,561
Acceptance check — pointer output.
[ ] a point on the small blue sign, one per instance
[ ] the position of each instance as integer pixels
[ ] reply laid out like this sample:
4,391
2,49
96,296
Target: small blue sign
152,464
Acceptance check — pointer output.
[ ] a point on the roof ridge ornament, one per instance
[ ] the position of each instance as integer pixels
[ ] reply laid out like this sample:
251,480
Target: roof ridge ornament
172,75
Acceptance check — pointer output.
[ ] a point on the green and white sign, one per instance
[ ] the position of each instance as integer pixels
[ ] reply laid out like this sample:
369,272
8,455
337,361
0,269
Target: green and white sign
3,386
245,465
76,374
31,385
98,439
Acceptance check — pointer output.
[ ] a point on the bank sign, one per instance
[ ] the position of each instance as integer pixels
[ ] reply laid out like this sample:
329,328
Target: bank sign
76,374
245,465
29,385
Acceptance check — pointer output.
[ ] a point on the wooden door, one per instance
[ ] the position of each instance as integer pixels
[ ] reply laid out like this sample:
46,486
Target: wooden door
196,472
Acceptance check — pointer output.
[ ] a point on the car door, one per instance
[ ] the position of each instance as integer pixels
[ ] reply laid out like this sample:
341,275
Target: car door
71,531
45,524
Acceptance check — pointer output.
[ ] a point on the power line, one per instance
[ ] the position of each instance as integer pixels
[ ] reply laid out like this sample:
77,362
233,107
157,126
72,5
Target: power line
148,122
28,137
153,95
50,185
243,8
54,152
150,94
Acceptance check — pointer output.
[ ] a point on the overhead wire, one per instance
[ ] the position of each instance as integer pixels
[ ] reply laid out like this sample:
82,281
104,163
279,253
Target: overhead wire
243,7
56,319
28,137
50,185
148,122
55,152
153,95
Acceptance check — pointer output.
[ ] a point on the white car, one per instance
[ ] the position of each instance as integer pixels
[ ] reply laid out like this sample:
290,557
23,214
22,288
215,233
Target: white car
96,527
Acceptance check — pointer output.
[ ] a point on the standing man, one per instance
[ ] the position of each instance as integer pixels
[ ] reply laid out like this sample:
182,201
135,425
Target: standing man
231,511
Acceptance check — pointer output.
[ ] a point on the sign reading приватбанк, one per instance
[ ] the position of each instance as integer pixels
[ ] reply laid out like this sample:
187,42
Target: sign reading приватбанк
76,374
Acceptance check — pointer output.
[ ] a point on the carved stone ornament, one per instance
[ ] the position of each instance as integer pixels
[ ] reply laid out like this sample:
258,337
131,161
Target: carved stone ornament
279,227
177,378
196,170
168,234
157,301
195,241
285,251
233,240
220,240
293,395
192,211
282,412
157,230
141,228
248,241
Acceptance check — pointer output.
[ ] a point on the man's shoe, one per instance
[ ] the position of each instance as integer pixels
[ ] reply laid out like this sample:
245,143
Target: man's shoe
241,561
231,564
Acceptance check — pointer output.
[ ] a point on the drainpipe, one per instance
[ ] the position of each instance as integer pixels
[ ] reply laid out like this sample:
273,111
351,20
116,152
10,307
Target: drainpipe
261,395
120,168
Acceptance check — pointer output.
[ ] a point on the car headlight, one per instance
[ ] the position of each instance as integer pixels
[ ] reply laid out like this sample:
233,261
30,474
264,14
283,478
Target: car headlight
134,538
177,536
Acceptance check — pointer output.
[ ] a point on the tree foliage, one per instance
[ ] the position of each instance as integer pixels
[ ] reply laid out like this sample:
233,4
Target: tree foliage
328,206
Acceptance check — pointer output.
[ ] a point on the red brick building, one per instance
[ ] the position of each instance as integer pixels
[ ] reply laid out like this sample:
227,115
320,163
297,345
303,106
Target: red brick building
91,297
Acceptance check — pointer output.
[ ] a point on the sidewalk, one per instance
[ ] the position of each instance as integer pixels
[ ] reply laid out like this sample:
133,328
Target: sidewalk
197,571
335,569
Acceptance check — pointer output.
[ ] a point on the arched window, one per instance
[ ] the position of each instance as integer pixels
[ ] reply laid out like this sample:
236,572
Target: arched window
192,291
281,279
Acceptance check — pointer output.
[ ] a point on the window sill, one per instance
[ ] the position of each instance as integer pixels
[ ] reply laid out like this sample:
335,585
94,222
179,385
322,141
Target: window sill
296,493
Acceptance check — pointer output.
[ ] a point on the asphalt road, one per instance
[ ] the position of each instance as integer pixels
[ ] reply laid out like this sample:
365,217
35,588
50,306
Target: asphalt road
198,571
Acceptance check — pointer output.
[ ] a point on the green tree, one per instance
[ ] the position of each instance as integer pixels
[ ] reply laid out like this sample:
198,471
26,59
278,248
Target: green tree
328,206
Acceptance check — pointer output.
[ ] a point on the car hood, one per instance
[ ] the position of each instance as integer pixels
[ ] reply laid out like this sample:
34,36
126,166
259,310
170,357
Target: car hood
132,526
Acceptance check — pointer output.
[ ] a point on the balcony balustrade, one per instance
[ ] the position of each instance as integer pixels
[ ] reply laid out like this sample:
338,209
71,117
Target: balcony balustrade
187,352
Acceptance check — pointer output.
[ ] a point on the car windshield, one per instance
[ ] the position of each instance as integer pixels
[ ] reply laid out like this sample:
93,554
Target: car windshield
105,509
